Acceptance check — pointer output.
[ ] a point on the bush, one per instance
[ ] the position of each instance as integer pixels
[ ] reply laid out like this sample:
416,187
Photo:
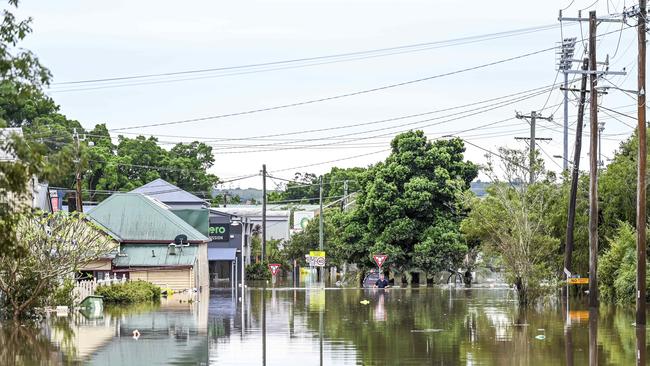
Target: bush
129,292
63,295
617,267
258,271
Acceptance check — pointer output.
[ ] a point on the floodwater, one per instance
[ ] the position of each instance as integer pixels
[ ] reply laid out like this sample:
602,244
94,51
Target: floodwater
315,326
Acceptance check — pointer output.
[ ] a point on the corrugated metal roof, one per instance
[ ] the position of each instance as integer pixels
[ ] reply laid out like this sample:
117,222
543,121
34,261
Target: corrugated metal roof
222,254
167,192
136,217
155,255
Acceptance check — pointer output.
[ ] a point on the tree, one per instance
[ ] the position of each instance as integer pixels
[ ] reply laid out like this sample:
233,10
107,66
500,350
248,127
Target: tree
512,223
57,245
408,207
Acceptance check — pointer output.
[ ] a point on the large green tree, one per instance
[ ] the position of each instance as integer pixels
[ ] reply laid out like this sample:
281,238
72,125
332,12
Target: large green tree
408,206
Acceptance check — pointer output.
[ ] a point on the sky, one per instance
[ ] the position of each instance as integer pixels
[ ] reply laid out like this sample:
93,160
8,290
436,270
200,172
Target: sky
88,40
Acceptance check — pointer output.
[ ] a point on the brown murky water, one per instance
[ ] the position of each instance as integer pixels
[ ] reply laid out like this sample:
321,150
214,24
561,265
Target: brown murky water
312,326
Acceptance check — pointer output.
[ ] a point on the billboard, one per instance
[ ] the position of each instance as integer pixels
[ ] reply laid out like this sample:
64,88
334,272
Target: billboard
301,218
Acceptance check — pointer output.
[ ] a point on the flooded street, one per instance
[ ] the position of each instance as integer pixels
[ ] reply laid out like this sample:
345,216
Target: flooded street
303,326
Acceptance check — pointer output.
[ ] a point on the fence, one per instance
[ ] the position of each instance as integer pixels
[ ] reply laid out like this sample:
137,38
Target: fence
86,288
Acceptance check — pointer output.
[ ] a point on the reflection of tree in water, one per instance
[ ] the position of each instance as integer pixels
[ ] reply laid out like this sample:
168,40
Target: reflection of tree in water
26,345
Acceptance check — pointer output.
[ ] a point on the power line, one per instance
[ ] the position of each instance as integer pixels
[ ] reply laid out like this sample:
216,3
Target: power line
339,96
418,46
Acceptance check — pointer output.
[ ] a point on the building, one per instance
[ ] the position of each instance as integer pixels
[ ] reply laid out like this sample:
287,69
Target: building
171,195
277,221
229,250
148,232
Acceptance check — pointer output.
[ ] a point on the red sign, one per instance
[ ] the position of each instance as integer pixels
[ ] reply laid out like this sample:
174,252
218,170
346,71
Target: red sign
379,259
274,267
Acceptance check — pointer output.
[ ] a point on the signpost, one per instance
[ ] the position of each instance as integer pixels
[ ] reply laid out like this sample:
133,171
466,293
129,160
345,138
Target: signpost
380,259
274,267
578,281
316,258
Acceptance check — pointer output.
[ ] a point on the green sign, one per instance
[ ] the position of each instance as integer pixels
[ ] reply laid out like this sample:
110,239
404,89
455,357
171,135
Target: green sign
219,232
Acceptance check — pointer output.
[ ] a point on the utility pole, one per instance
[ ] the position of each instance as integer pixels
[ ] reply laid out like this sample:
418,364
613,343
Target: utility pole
78,199
320,222
575,171
320,213
263,212
345,195
593,166
565,64
225,199
601,128
531,159
641,176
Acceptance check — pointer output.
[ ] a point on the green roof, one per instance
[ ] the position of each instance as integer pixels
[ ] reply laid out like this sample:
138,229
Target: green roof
137,218
155,255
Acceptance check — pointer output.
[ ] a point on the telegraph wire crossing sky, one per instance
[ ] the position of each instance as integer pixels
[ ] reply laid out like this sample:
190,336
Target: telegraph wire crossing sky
138,66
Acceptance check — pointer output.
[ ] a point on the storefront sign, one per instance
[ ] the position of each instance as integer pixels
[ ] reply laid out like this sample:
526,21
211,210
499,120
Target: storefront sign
219,232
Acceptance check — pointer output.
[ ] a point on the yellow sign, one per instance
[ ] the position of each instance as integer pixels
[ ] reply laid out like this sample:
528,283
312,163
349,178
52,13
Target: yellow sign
578,281
317,253
579,315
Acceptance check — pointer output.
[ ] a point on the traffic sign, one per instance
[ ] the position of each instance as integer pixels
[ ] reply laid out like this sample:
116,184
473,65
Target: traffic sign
380,259
274,267
578,281
316,258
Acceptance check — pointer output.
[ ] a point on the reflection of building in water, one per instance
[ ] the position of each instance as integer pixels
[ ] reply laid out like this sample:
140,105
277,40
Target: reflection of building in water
173,332
501,322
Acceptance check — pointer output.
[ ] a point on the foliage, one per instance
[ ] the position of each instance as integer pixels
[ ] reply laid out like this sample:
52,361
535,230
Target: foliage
63,295
258,271
407,205
617,266
56,246
306,186
512,222
302,242
129,292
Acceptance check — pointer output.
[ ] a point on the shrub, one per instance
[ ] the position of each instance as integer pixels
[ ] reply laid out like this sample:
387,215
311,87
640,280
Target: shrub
129,292
63,294
258,271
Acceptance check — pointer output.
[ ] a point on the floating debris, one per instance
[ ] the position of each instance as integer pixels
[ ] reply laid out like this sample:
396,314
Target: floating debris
426,330
541,337
364,302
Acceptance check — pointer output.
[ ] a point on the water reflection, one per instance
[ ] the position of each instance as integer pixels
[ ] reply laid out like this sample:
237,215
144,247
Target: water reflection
308,326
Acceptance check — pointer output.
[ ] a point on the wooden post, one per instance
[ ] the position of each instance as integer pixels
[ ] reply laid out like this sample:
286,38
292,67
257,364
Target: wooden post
641,176
593,166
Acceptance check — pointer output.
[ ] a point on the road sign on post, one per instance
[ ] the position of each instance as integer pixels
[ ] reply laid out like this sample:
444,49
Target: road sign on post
316,258
274,267
379,259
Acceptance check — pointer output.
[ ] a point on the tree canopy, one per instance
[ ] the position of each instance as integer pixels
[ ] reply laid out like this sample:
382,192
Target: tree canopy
408,206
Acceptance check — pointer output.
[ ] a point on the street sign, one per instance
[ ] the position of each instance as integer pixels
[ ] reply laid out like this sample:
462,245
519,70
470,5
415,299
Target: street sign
578,281
316,258
274,267
379,259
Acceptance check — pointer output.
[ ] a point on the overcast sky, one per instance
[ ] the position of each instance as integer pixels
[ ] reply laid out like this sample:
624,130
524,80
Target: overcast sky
85,40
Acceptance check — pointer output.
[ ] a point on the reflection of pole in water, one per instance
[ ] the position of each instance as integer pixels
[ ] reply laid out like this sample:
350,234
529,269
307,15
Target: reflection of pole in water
264,326
568,337
593,336
320,334
640,345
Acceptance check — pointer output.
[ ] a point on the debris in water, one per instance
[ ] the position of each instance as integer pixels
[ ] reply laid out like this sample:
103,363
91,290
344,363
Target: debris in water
365,302
136,334
541,337
426,330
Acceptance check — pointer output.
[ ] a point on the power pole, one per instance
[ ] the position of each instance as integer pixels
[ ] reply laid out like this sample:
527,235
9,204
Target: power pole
320,223
225,199
641,176
345,195
593,165
531,159
601,128
568,248
565,64
263,212
78,199
320,213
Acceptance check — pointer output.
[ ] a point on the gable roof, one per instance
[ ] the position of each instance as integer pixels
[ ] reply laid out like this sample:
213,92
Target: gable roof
155,255
134,217
167,192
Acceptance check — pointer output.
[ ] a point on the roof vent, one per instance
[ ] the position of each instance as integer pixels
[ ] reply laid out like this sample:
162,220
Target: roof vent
171,249
153,254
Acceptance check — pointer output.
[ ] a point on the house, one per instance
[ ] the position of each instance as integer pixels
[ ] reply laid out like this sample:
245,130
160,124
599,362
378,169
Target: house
171,195
156,245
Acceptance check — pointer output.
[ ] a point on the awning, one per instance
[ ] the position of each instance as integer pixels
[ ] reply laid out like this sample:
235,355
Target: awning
221,254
